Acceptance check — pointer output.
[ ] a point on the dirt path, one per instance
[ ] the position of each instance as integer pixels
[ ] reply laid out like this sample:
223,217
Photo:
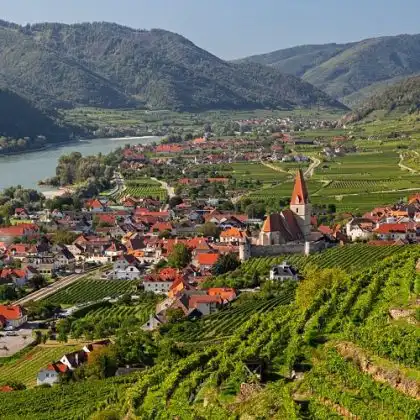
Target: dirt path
274,167
310,171
405,167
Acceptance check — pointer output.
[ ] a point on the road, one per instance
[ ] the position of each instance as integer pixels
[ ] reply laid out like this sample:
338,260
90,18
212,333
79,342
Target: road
49,290
165,185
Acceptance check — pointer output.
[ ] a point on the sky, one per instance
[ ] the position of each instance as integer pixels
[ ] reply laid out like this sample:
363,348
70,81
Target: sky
234,28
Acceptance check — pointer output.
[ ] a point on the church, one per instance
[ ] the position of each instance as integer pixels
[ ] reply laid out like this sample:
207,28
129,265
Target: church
293,224
287,232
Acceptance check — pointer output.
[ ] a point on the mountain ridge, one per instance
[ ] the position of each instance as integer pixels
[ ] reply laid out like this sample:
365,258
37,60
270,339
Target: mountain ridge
113,66
344,70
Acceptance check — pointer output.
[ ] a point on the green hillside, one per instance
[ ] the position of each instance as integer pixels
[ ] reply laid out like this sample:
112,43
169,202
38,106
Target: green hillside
402,97
343,70
21,123
111,66
345,346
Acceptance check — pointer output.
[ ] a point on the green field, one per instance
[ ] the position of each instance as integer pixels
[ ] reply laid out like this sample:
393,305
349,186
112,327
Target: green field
85,291
26,368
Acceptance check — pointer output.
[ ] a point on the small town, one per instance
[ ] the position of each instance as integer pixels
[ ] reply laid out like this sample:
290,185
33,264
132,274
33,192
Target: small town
205,214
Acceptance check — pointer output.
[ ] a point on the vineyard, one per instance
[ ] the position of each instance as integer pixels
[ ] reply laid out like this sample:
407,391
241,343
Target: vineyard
85,291
26,368
142,188
334,351
350,258
223,323
76,401
109,312
306,338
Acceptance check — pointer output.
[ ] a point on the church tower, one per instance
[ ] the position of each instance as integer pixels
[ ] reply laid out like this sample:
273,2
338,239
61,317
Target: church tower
300,204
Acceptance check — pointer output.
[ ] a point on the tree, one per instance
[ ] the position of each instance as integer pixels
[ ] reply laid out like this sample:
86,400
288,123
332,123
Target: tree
180,256
174,315
37,282
102,363
210,230
226,263
174,201
135,348
64,237
7,292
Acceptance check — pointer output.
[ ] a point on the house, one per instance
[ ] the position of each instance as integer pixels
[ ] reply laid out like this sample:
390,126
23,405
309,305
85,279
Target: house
51,374
394,231
205,304
24,230
125,268
74,360
206,262
12,316
227,294
283,272
94,205
64,258
233,235
97,345
360,228
21,213
14,275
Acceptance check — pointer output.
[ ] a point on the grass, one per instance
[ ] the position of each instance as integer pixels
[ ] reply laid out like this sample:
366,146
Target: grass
25,369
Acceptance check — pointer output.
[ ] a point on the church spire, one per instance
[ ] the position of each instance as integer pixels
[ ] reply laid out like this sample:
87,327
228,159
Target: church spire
300,192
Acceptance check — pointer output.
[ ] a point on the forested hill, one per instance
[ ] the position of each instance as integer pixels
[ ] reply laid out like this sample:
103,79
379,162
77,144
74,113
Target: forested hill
403,97
108,65
349,72
21,123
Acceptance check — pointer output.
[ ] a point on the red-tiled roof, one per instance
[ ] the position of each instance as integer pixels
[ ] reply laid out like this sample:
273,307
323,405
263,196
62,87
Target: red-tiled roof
207,259
58,367
394,227
11,313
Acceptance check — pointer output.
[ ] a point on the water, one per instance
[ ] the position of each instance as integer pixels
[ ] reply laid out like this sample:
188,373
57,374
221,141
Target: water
27,169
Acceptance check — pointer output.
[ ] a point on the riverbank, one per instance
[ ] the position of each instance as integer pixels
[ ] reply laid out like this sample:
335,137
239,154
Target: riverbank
27,168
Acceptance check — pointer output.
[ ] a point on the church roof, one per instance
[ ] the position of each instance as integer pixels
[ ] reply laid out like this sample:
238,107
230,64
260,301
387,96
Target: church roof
285,223
300,192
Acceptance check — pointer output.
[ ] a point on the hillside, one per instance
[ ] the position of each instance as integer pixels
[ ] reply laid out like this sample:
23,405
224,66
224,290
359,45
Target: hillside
19,119
111,66
343,70
345,346
403,97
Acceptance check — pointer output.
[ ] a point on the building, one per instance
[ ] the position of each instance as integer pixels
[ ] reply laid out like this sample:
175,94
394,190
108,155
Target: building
12,316
51,374
283,272
360,228
287,232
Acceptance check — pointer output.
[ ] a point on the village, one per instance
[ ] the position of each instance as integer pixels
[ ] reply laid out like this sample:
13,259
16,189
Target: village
173,235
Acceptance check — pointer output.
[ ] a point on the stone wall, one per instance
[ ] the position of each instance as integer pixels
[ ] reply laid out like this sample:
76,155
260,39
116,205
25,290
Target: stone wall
291,248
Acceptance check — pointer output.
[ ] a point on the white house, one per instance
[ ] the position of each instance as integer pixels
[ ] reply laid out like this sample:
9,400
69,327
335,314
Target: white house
283,272
125,268
51,374
360,229
157,285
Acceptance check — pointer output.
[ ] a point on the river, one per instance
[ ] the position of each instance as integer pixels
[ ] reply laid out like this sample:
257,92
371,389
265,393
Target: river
27,169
